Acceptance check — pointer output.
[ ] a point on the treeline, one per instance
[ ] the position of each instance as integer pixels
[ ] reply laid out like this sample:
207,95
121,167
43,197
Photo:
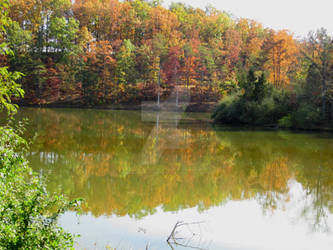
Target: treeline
107,51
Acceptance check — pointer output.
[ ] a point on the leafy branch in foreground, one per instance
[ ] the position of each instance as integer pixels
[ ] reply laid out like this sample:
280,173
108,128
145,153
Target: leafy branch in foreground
9,88
28,213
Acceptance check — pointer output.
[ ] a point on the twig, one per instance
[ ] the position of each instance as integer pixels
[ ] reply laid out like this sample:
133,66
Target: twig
172,239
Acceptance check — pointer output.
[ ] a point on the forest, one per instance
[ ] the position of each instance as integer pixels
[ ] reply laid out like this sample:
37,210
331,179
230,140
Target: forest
99,52
104,53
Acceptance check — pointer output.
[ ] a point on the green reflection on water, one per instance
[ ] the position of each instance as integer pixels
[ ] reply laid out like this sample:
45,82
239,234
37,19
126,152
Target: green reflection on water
129,163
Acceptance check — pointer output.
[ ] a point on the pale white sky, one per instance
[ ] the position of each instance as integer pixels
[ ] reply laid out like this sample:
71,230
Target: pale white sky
298,16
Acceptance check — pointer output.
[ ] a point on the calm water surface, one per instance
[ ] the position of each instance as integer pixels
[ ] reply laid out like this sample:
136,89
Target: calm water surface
140,173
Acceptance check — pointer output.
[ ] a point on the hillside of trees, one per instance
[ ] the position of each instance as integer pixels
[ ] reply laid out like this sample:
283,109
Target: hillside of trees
100,52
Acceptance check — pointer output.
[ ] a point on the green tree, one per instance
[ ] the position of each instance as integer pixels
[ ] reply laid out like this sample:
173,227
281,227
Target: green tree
254,88
8,86
62,35
318,50
19,40
125,70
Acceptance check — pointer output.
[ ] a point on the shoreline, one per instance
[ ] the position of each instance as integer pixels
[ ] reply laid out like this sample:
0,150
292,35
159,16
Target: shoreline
272,127
190,108
149,106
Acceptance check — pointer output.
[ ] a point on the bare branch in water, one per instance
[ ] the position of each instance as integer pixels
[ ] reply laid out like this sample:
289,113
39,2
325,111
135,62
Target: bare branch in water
188,242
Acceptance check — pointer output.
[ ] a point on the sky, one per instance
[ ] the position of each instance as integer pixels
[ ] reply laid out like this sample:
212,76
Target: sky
298,16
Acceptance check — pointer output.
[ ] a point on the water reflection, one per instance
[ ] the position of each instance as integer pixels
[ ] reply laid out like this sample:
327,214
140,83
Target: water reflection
127,164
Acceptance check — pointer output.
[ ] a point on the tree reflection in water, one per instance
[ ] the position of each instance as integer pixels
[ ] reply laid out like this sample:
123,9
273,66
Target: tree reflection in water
97,155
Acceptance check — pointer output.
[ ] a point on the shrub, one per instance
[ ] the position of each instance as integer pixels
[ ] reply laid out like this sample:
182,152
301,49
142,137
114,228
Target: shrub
236,110
286,122
28,213
229,110
257,103
306,116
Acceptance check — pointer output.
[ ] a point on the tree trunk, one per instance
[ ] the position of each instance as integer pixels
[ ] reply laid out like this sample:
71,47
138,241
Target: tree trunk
158,90
323,98
177,95
332,113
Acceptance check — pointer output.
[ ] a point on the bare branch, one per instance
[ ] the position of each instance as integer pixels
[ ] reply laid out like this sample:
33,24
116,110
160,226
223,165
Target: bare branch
187,241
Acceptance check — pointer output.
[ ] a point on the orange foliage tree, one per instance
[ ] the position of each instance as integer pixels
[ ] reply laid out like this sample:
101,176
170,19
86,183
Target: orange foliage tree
282,54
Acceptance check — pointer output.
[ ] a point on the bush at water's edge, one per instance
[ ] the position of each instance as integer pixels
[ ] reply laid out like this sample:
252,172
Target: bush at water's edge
28,213
267,106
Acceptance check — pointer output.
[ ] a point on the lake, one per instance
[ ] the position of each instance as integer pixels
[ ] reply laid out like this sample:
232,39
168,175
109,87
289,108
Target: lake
142,172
